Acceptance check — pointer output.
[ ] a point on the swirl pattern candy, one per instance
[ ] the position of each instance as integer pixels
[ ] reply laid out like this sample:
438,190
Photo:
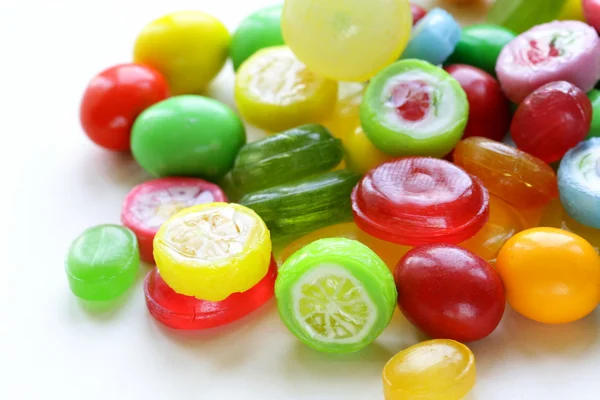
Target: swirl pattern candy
556,51
417,200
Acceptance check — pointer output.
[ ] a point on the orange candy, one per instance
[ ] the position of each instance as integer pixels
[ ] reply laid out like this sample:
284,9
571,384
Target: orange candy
511,174
390,253
550,275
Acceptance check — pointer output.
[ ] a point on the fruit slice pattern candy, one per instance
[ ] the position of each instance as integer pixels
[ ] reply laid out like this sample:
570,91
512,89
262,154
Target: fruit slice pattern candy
556,51
273,82
286,157
511,174
434,38
336,295
338,39
414,108
189,313
102,262
579,182
417,200
212,250
438,369
297,208
552,120
149,204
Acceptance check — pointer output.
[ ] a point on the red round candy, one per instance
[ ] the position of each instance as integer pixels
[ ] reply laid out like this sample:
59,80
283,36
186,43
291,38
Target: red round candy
418,200
114,98
418,12
448,292
189,313
552,120
591,13
149,204
489,109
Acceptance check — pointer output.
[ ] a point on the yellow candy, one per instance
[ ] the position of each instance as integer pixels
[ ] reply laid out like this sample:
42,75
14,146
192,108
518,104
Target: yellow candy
361,154
347,40
274,91
572,10
188,47
212,250
439,369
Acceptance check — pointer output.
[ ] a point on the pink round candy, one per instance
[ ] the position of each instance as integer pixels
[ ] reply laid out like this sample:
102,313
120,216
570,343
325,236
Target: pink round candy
556,51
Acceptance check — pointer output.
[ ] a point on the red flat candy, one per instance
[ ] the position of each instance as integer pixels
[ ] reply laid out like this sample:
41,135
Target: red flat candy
489,109
449,292
552,120
150,204
418,200
178,311
418,12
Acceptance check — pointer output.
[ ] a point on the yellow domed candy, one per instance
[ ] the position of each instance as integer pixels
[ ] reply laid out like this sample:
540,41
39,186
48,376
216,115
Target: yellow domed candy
347,40
212,250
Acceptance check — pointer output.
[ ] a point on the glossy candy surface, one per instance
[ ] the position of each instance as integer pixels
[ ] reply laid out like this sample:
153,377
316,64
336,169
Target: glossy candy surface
579,182
286,157
480,45
594,96
149,204
552,120
102,262
189,313
449,292
521,15
212,250
433,38
188,47
551,276
438,369
336,295
489,109
113,100
414,108
259,30
187,135
273,82
555,216
389,252
418,200
556,51
591,12
296,208
509,173
349,40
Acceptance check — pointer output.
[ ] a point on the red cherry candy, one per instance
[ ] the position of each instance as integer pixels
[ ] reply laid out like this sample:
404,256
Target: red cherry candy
113,100
552,120
489,109
189,313
418,12
417,200
448,292
149,204
591,12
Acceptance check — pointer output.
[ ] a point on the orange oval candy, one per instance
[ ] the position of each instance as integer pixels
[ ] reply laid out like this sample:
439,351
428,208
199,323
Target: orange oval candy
509,173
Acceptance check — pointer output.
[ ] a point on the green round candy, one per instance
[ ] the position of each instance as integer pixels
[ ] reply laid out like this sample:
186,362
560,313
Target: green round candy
102,263
480,45
521,15
594,96
286,157
259,30
413,108
297,208
336,295
187,135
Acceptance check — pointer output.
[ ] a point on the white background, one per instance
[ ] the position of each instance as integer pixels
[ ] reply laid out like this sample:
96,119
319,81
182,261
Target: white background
55,183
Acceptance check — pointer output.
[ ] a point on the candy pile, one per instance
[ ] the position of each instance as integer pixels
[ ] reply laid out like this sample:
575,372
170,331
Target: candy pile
387,180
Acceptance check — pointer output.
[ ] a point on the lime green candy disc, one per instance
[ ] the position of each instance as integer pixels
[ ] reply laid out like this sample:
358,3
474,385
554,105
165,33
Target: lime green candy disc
102,262
336,295
187,135
413,108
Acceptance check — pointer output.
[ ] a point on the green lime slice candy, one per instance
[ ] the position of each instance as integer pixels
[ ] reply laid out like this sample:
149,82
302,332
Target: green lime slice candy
336,295
521,15
286,157
413,108
102,262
